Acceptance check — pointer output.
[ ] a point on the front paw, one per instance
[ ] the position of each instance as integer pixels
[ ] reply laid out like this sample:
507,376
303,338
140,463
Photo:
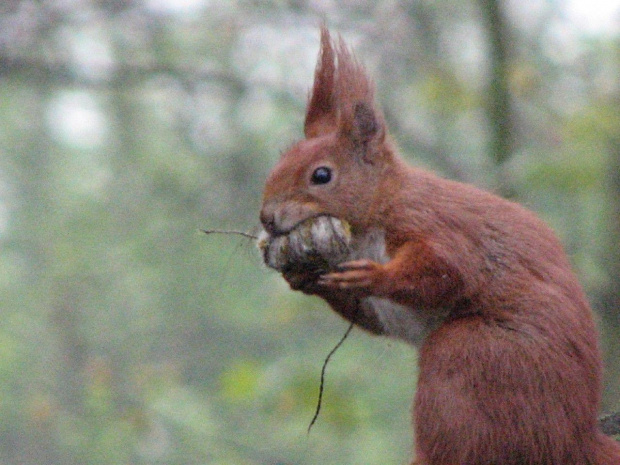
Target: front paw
363,276
305,282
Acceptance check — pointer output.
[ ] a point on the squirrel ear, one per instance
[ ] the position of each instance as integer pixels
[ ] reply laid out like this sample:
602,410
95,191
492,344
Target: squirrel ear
321,112
366,126
359,120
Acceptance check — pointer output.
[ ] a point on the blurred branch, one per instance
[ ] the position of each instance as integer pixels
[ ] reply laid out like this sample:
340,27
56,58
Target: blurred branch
120,75
610,424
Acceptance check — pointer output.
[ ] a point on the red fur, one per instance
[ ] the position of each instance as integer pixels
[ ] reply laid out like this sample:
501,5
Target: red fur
510,369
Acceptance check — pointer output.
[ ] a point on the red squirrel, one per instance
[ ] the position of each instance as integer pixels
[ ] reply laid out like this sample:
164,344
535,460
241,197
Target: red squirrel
509,363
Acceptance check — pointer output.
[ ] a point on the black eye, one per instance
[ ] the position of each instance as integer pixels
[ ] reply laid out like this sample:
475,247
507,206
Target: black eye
321,175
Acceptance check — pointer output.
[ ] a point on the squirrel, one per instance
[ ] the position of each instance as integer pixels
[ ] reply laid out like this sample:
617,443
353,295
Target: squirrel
509,360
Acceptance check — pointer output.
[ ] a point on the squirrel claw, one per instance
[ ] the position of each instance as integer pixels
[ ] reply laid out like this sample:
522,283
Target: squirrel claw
357,265
357,274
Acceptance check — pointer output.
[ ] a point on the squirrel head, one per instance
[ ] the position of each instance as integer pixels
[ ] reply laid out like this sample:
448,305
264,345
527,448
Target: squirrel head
337,168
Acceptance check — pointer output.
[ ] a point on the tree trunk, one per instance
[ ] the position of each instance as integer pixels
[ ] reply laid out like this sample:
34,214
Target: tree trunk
498,104
610,299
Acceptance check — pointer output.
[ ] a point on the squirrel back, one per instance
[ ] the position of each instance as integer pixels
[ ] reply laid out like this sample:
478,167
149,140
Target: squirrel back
510,369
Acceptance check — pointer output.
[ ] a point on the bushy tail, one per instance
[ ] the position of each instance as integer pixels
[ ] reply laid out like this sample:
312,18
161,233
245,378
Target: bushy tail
608,452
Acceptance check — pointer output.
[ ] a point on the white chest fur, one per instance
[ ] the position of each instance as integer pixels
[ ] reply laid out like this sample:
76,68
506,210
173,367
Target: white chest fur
400,321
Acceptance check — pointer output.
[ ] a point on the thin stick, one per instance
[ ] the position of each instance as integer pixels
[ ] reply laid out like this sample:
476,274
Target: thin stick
322,385
219,231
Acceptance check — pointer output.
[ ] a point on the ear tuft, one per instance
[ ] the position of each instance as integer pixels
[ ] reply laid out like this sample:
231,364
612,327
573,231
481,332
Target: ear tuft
321,112
358,118
342,96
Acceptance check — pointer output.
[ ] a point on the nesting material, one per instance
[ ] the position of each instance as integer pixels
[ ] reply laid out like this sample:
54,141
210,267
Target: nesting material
316,244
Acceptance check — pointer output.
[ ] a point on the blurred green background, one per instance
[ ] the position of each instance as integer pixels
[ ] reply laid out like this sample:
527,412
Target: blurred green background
129,337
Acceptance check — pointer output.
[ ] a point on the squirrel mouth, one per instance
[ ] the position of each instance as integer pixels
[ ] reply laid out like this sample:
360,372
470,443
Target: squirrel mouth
273,231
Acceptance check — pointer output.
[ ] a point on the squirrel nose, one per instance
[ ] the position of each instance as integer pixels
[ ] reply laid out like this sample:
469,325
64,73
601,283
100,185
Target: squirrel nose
268,219
280,217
